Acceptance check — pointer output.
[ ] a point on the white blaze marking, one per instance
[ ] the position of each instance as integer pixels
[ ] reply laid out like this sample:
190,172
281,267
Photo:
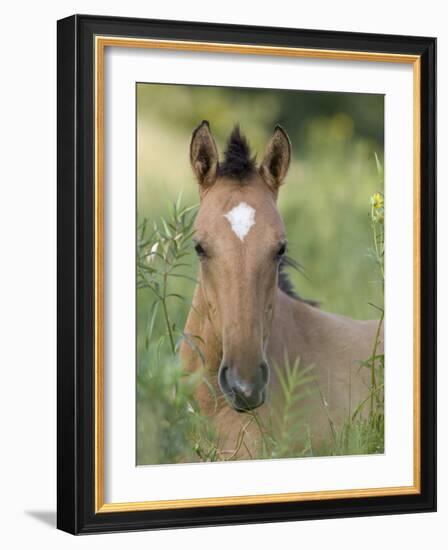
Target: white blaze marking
241,219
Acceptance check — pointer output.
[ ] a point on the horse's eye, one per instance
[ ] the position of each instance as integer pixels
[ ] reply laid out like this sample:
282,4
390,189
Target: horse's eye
281,251
199,250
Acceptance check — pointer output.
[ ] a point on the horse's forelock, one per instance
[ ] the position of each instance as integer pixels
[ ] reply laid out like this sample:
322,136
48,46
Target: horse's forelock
238,162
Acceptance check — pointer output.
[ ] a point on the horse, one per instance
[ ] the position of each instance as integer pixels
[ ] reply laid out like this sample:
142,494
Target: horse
245,316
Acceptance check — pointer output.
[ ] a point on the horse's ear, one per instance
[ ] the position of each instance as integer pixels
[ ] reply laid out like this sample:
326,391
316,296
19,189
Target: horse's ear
204,155
276,159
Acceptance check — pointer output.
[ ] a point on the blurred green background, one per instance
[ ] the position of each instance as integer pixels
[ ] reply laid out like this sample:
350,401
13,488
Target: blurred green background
325,200
324,203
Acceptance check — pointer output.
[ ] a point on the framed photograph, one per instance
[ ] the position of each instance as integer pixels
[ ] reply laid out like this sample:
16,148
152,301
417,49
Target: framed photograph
246,274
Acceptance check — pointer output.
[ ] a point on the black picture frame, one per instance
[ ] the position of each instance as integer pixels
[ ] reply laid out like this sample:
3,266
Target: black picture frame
76,225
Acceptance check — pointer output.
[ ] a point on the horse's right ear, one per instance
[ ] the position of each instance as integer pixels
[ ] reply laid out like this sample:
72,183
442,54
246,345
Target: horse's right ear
277,158
204,155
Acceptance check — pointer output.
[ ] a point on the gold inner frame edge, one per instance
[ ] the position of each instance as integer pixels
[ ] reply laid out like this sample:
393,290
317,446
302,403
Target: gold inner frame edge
101,42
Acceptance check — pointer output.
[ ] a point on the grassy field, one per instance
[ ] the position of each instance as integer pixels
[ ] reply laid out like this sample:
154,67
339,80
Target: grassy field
337,141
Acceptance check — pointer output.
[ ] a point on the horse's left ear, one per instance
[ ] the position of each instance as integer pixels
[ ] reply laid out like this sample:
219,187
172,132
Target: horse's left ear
204,155
276,159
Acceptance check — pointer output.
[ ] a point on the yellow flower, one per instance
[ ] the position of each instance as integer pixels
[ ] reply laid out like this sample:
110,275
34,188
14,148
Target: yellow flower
377,201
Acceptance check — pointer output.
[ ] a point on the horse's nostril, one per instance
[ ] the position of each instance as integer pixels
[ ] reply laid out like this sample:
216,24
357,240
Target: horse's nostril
264,368
222,379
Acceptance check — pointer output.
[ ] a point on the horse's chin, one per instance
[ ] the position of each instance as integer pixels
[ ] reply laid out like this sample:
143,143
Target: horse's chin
245,408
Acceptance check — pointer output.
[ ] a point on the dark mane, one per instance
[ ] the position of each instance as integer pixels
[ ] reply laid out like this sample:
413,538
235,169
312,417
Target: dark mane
284,282
238,162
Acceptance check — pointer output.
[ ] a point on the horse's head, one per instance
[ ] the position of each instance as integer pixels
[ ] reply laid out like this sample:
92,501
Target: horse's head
240,240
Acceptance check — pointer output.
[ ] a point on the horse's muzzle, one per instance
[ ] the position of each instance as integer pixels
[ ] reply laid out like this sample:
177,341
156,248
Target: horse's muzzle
242,394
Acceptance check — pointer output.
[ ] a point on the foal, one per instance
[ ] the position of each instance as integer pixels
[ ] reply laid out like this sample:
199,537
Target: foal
245,319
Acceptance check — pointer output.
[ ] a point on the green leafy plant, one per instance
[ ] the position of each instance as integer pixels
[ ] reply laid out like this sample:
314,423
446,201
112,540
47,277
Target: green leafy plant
284,433
160,258
363,433
170,426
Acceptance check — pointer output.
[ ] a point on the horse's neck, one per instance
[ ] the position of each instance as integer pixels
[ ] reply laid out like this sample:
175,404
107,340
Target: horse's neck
317,337
294,329
299,331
